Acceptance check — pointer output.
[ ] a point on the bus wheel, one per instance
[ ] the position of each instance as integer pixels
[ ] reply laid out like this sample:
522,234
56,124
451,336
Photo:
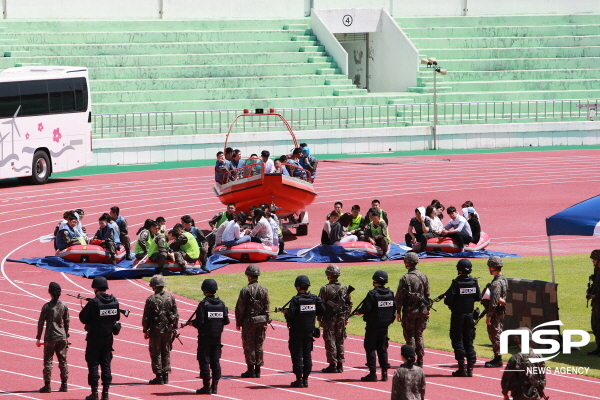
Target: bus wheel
40,168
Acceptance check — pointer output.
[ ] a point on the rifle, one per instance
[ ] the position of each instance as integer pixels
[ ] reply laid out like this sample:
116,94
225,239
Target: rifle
588,292
429,302
181,326
80,297
176,336
281,309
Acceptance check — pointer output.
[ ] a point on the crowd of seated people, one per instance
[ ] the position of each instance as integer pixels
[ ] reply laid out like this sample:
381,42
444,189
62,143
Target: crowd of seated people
230,166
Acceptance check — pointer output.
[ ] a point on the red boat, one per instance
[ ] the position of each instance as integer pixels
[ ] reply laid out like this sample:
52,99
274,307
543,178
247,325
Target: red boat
88,253
362,246
250,185
448,245
250,252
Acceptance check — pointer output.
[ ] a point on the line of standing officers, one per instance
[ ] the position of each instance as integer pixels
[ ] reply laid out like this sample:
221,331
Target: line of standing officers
331,309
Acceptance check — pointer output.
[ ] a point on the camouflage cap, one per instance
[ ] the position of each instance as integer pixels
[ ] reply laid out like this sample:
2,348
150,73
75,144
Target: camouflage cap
411,258
333,270
157,281
595,254
252,270
494,262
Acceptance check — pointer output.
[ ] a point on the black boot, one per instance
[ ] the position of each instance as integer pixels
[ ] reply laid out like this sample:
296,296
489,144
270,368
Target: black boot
249,372
205,389
94,394
105,392
165,377
257,371
45,388
305,380
298,383
157,381
371,377
470,365
332,368
63,386
214,386
461,371
496,362
384,374
340,367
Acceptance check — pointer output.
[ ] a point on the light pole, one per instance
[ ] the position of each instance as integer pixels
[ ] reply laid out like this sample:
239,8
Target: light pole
432,63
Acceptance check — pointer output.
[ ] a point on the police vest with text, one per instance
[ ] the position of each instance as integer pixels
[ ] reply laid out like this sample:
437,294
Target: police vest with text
307,313
214,318
103,323
465,294
383,313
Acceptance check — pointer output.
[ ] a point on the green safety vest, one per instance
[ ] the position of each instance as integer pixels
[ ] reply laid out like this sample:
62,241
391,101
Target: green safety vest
378,231
138,248
223,219
355,224
152,246
191,248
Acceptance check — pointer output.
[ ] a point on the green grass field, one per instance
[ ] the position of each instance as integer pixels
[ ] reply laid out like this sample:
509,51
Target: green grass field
572,273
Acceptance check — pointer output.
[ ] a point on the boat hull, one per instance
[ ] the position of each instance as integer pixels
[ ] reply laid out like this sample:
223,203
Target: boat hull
448,245
89,253
251,252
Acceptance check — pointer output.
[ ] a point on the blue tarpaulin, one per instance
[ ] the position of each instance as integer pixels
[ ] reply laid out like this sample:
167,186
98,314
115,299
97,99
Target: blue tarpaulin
317,254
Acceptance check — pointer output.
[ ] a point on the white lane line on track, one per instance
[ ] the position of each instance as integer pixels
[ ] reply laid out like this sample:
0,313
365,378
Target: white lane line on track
17,394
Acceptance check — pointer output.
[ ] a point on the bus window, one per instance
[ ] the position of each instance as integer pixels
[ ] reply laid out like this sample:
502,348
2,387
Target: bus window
62,95
81,95
10,99
34,98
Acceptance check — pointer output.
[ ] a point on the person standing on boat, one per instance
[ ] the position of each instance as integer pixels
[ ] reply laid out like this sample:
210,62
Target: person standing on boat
221,168
309,163
237,162
294,164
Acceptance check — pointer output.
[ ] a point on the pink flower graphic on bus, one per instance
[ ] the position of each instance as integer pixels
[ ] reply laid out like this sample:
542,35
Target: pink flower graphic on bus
57,135
27,135
40,127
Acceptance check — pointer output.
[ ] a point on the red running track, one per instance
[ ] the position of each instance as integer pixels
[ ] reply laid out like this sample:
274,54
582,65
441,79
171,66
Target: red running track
512,192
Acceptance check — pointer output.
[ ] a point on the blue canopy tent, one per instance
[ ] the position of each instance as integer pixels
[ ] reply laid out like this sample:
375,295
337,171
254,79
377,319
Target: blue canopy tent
582,219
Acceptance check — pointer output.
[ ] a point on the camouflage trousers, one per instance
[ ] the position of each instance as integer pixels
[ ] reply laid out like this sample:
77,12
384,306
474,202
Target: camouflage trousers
160,346
182,258
413,326
494,330
253,337
334,334
59,348
596,322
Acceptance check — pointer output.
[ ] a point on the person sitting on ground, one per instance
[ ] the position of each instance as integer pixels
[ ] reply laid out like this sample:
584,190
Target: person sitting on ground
162,224
185,248
219,232
143,235
294,164
279,168
221,168
339,231
232,235
325,233
337,206
309,163
235,164
457,228
376,209
269,165
376,233
108,236
68,235
262,231
473,220
189,226
357,224
418,226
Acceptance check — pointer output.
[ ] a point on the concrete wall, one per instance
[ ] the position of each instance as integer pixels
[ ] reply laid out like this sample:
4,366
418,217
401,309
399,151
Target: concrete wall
325,36
226,9
343,141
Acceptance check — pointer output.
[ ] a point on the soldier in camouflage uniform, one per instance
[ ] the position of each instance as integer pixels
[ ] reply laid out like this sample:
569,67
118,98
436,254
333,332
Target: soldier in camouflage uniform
494,308
159,323
520,379
251,318
412,298
594,295
409,380
338,305
55,315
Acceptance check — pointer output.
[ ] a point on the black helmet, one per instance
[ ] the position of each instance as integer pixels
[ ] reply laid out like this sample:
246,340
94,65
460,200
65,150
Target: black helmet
209,285
252,270
380,277
595,254
302,280
99,282
464,266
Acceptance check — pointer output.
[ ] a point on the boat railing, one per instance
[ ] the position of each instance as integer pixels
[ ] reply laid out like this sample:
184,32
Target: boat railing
254,166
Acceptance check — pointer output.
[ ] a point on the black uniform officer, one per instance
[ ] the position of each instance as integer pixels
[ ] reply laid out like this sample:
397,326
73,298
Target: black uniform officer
460,298
378,310
100,316
301,318
211,317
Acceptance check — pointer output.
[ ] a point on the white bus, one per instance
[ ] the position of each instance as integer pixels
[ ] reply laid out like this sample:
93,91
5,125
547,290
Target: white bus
45,122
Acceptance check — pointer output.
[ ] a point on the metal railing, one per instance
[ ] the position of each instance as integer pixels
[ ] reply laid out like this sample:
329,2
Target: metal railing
166,123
